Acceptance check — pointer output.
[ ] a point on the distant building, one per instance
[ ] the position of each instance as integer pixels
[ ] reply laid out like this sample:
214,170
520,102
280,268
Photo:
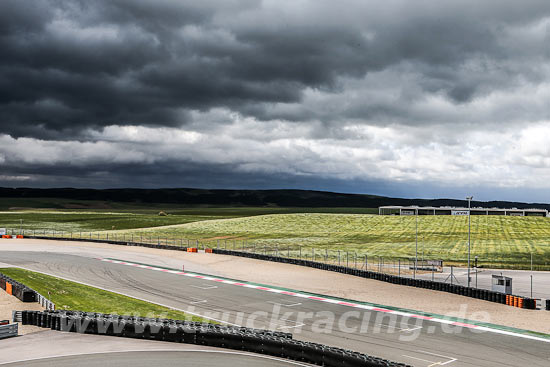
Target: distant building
446,210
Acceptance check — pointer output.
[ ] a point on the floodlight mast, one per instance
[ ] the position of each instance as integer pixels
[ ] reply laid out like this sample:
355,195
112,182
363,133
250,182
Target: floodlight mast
416,244
469,198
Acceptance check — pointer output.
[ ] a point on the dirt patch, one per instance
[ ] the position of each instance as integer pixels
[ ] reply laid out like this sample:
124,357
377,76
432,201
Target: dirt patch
9,303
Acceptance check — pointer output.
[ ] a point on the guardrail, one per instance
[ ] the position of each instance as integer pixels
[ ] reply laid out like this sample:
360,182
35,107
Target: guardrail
278,344
8,331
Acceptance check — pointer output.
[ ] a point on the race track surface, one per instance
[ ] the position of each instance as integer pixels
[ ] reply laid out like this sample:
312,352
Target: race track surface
398,339
166,359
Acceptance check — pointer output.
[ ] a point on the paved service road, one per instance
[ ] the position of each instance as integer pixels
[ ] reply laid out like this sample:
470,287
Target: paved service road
521,280
167,359
376,333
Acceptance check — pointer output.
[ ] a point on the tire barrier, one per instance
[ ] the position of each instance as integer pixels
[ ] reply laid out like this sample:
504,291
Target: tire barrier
24,293
547,305
273,343
113,242
16,289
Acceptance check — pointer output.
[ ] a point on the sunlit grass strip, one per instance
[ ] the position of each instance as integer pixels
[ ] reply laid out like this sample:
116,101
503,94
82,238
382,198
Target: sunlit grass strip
74,296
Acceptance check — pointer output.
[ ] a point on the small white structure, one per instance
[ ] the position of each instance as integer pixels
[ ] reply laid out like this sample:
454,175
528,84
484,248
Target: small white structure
502,284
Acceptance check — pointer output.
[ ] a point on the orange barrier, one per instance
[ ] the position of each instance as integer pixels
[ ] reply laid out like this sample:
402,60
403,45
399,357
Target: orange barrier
520,302
208,250
508,299
8,288
191,249
6,236
19,236
516,300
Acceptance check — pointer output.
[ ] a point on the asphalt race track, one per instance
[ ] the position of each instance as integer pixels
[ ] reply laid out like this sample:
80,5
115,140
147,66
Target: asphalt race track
166,359
433,345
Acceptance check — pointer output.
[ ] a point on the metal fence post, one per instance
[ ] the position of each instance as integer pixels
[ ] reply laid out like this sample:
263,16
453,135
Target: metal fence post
399,267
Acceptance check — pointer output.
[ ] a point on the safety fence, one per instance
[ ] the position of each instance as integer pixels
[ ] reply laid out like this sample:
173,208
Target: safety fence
278,344
483,294
24,293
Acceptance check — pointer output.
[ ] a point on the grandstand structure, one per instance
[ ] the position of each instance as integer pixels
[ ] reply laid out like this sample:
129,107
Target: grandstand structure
444,210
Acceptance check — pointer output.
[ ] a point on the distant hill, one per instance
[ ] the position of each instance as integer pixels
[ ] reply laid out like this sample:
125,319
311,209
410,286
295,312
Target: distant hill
279,198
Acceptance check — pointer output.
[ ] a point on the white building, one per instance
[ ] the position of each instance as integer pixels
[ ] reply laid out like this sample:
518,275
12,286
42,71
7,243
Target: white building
447,210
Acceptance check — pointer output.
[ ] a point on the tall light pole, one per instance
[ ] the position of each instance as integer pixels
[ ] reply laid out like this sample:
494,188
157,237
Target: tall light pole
416,245
469,198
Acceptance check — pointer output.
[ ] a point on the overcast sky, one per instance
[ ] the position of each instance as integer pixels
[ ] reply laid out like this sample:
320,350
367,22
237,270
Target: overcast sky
407,98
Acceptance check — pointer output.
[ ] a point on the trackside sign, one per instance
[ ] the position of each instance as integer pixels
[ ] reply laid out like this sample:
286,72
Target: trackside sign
459,212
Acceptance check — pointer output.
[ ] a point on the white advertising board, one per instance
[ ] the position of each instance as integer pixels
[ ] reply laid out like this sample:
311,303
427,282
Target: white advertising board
407,212
2,231
459,212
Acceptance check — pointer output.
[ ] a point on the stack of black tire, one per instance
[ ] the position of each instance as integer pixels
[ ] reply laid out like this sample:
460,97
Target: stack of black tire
483,294
20,291
272,343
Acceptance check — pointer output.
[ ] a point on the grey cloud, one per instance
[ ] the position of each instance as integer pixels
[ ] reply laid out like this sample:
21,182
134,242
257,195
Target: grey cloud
68,66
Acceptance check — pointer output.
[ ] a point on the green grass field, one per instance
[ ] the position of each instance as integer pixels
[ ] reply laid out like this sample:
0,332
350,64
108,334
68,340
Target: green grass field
103,220
73,296
497,240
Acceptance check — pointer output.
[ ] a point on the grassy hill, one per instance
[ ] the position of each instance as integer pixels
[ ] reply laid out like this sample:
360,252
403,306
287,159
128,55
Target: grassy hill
68,198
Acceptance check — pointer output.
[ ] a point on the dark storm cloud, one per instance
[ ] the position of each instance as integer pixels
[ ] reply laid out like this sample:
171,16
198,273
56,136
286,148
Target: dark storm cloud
351,95
71,65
